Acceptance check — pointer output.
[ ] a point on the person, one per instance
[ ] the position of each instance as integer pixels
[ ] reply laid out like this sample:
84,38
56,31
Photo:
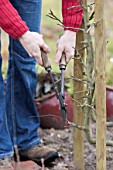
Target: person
19,120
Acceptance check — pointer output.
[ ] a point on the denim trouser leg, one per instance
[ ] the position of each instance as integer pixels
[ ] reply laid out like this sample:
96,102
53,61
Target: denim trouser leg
21,81
6,148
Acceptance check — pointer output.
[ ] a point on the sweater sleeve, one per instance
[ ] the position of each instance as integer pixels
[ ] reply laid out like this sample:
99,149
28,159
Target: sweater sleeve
10,21
72,17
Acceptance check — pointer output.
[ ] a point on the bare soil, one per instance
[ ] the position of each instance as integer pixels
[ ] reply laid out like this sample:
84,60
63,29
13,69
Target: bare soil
62,140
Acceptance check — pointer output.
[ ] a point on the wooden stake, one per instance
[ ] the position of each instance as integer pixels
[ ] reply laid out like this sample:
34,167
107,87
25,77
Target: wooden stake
78,135
100,53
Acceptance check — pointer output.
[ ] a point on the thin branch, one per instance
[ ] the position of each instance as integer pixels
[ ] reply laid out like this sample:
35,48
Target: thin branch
81,3
80,80
90,5
83,48
79,29
93,116
53,16
77,92
92,25
78,57
79,104
76,126
83,97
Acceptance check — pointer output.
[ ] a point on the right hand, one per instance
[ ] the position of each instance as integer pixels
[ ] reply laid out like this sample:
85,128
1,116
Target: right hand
66,44
32,42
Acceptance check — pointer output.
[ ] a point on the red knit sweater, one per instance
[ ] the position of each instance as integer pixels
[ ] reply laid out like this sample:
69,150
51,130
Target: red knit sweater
11,22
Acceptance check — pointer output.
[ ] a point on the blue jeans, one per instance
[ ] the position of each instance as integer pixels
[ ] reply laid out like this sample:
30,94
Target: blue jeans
19,119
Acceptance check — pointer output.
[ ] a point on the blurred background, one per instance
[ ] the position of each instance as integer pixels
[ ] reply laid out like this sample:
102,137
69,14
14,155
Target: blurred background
52,31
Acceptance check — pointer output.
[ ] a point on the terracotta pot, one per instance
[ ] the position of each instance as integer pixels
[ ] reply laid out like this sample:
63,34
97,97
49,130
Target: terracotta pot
48,108
109,102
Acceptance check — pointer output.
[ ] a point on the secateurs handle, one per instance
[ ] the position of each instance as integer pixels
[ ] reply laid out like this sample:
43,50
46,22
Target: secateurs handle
62,64
60,97
45,60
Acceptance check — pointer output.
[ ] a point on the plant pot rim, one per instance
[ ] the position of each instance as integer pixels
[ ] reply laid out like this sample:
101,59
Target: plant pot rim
109,87
45,97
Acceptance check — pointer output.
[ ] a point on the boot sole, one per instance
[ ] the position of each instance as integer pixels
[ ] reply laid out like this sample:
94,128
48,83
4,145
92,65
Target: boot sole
47,160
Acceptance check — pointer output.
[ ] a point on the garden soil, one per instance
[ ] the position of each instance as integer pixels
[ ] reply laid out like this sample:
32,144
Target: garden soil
62,140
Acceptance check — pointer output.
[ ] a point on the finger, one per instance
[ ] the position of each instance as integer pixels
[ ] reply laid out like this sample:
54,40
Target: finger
68,57
38,57
39,62
41,35
58,56
30,54
57,42
45,47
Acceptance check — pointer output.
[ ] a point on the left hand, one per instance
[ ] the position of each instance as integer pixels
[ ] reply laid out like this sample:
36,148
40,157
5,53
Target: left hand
66,44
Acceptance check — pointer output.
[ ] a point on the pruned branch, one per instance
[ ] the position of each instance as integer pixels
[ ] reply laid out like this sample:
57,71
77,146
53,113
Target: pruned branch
53,16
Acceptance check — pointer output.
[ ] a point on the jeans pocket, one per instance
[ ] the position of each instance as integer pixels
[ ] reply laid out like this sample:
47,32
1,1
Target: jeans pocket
26,69
25,61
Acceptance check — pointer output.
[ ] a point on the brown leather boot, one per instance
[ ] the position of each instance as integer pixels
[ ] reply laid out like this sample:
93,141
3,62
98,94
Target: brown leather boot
39,154
6,164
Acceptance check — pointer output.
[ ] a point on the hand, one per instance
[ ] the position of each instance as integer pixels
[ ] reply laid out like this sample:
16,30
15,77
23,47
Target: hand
66,44
32,42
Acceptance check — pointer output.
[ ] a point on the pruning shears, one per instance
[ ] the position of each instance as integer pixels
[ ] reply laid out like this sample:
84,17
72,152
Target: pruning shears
60,95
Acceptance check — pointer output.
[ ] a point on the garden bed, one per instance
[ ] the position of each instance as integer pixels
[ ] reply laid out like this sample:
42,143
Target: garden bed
62,140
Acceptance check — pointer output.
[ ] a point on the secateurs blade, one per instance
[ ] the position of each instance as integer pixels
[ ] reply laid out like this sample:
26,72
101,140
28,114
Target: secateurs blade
60,95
